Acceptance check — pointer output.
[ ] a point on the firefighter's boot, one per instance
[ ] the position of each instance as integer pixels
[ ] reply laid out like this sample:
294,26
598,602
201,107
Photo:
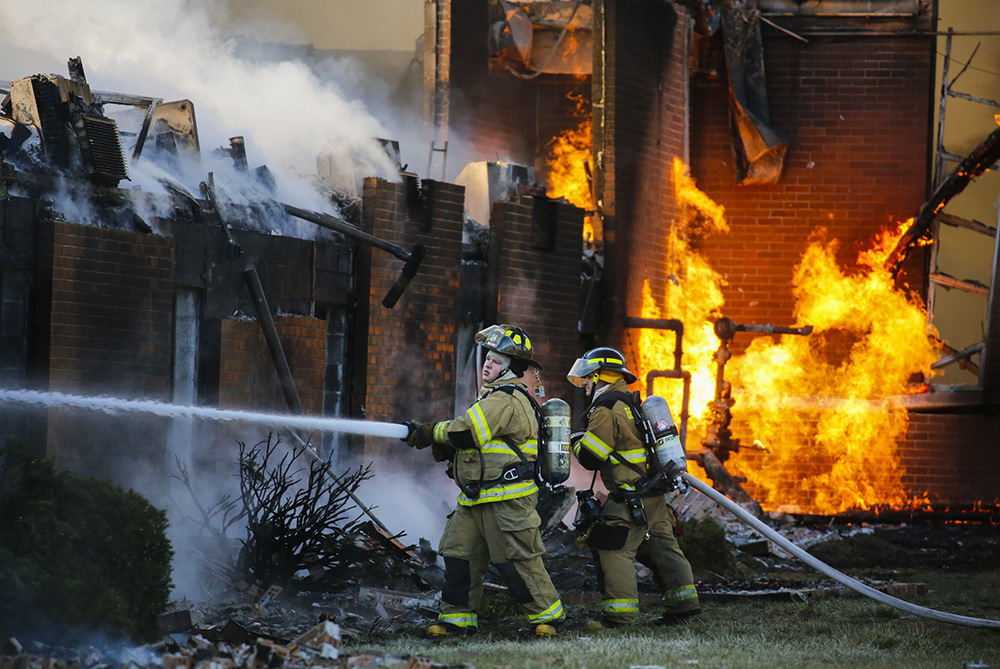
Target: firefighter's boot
440,630
546,630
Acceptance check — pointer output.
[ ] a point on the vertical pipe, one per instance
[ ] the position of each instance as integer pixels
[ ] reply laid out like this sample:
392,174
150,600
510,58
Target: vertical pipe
180,431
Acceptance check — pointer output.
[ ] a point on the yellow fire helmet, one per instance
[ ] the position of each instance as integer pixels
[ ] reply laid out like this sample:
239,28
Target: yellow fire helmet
596,359
507,340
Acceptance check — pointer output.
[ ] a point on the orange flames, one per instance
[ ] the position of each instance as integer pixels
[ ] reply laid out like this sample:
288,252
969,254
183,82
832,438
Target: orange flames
820,409
691,294
567,176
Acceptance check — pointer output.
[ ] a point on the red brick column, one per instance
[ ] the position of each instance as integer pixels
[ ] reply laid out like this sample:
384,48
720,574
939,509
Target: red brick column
641,129
409,369
537,287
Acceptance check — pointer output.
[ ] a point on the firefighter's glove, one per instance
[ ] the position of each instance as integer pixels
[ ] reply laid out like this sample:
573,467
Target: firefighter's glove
442,452
421,435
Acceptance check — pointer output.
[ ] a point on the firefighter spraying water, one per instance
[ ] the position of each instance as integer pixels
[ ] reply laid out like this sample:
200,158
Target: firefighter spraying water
654,441
492,450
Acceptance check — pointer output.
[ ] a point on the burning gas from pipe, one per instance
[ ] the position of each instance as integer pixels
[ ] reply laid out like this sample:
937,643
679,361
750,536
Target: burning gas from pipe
822,406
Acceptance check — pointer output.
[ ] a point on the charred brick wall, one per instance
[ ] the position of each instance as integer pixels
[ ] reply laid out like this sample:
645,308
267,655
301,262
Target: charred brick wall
858,113
952,458
641,129
409,350
104,312
248,380
857,110
247,376
482,99
534,270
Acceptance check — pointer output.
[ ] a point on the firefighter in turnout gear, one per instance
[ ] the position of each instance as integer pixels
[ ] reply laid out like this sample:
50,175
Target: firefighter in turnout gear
492,449
636,522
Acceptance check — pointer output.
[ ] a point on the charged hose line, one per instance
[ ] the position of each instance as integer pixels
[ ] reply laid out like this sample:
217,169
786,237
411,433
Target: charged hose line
826,569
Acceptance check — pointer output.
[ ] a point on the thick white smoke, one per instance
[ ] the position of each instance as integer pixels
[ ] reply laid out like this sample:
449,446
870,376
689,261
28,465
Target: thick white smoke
175,49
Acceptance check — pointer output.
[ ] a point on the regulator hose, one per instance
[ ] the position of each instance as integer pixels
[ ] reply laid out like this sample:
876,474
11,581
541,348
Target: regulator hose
826,569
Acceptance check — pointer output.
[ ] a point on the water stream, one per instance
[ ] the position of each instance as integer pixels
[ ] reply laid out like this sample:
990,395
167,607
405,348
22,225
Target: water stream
118,405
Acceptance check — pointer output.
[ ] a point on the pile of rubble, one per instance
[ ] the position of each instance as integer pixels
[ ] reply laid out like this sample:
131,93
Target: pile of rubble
219,648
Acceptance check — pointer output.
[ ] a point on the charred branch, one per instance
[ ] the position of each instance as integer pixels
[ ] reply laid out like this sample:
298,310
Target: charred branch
298,519
217,518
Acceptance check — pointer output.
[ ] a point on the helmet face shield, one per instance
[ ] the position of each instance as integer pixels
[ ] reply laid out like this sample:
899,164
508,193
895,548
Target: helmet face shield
491,337
602,357
580,370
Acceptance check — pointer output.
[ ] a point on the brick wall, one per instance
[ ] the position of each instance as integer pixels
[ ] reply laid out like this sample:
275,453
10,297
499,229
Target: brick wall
108,317
538,288
248,380
952,458
857,110
247,376
482,100
409,368
643,129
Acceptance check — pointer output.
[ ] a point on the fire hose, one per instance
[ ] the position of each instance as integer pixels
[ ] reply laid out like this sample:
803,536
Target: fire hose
115,405
826,569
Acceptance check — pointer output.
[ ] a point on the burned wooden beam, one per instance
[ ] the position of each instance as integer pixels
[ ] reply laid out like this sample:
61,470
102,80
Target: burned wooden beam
960,357
965,285
974,225
981,159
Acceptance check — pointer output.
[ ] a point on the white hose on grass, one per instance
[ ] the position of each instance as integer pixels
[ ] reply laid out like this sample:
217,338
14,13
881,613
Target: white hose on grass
824,568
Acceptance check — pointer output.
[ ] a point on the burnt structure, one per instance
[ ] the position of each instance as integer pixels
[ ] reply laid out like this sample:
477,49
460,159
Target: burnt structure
197,303
793,116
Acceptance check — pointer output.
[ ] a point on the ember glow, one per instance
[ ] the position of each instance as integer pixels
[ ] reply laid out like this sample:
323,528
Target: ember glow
815,415
567,176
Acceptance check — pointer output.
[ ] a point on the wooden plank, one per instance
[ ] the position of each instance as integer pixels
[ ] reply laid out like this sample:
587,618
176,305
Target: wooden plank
975,226
966,286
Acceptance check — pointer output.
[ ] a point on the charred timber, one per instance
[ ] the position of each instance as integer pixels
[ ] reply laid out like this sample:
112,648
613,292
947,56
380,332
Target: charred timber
981,159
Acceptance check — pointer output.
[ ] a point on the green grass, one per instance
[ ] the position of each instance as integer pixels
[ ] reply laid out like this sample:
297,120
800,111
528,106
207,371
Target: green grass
742,634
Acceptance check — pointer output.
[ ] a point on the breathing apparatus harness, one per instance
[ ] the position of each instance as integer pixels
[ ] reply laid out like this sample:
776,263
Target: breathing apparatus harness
520,471
646,486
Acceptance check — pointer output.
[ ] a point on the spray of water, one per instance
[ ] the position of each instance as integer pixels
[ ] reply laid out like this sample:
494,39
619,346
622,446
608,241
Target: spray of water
117,405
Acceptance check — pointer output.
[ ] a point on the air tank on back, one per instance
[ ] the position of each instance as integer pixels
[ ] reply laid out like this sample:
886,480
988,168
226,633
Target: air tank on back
667,441
554,458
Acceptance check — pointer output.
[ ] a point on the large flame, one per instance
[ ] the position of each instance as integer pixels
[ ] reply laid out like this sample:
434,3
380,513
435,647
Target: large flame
818,409
821,404
692,294
569,152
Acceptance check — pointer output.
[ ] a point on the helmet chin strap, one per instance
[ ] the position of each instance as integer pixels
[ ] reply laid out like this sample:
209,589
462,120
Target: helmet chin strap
507,375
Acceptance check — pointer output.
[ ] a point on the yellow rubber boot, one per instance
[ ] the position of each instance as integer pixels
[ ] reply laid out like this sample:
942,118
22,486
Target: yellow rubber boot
437,631
544,630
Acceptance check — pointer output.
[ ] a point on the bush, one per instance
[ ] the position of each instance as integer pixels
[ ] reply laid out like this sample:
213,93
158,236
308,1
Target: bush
704,544
78,555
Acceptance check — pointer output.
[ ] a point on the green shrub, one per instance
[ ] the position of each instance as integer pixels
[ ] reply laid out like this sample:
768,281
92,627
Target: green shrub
704,544
78,555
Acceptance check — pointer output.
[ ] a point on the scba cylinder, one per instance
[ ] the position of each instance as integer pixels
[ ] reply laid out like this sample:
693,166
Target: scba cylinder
667,445
555,455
